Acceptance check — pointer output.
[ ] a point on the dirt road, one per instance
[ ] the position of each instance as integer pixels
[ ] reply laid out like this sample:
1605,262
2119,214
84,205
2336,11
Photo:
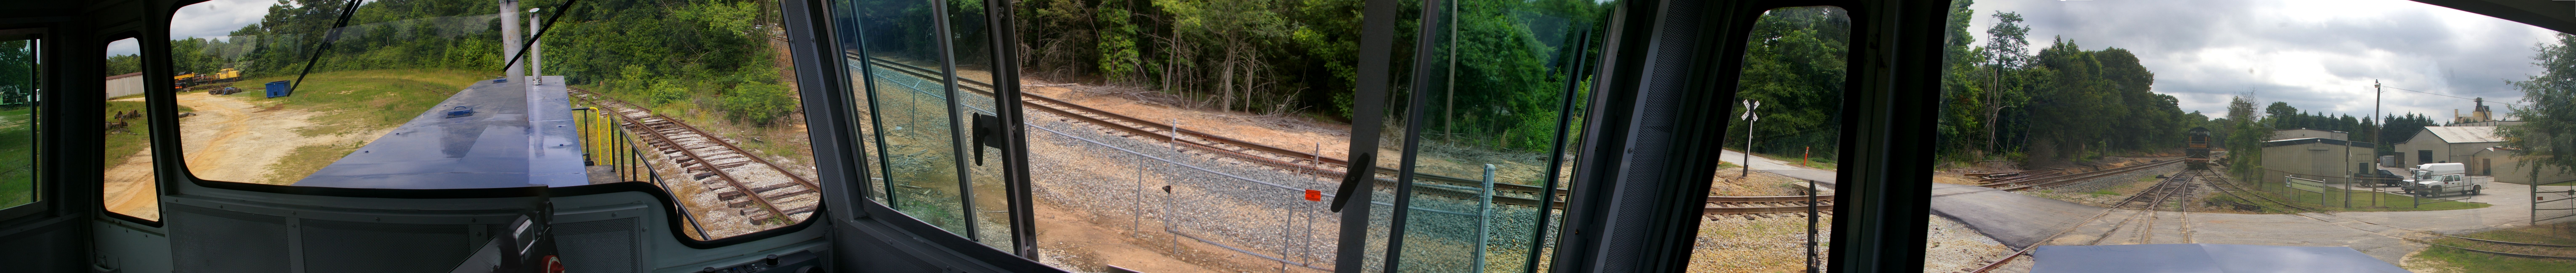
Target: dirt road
129,188
236,139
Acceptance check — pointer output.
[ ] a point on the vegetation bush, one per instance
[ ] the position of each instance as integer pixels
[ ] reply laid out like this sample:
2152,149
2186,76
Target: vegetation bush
759,103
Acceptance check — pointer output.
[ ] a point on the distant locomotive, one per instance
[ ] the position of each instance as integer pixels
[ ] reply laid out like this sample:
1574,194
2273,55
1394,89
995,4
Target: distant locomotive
2196,150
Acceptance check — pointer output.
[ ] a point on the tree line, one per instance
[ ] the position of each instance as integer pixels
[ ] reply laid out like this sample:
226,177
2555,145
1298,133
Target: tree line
1297,57
711,53
2060,103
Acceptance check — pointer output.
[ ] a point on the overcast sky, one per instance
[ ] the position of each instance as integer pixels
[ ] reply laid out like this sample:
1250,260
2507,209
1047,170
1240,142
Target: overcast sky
214,18
217,18
2316,55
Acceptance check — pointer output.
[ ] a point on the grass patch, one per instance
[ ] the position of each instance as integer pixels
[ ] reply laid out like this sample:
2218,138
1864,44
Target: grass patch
353,102
2568,183
365,100
134,137
2471,261
17,157
1811,162
2331,199
289,171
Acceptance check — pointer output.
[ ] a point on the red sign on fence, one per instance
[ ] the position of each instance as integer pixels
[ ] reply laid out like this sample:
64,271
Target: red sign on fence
1314,195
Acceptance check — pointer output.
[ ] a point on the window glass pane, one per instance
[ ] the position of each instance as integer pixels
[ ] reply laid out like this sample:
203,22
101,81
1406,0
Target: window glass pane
971,46
1494,114
1780,149
19,82
917,125
2360,128
130,188
693,96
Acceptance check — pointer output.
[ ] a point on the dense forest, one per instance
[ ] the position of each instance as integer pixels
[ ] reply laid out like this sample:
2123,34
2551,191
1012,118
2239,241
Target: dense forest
714,53
1297,57
2060,103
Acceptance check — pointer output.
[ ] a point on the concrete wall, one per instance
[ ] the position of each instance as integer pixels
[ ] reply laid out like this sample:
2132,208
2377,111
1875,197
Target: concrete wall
119,87
2505,169
2441,151
2318,161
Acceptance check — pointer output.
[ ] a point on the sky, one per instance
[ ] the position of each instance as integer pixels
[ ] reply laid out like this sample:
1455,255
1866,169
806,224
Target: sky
2319,56
216,18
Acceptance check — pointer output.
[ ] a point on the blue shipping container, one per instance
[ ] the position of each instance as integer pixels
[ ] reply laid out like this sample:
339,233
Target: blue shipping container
278,89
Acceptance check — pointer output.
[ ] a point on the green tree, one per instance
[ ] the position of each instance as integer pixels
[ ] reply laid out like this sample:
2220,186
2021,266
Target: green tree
2547,138
121,64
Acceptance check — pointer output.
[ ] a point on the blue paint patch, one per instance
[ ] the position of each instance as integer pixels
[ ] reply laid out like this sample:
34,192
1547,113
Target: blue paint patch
500,145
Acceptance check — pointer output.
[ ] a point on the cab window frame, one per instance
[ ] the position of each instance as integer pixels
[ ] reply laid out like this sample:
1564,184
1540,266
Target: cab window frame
46,48
182,172
153,75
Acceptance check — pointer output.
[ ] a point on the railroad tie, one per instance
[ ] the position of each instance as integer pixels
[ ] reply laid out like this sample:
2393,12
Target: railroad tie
788,191
798,209
727,193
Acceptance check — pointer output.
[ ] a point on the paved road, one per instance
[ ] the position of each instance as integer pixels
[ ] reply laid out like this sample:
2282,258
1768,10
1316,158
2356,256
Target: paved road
1783,168
2020,220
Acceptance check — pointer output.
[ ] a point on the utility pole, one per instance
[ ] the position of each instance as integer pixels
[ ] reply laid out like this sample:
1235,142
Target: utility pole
1449,104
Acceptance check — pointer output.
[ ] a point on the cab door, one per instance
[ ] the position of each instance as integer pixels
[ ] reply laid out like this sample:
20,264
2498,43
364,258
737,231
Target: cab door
923,75
41,217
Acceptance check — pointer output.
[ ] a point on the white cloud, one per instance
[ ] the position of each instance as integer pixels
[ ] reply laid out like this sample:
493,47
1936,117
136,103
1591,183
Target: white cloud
2315,55
123,47
217,17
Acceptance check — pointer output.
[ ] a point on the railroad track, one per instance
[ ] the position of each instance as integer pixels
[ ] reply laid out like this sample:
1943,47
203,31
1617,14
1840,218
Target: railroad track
1765,206
2025,181
2157,194
2220,184
761,190
2174,192
1220,145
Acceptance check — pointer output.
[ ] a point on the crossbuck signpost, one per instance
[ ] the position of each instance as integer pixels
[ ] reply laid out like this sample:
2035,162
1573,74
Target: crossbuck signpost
1749,118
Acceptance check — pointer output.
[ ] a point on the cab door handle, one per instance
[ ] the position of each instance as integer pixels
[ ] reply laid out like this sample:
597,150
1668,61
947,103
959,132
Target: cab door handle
988,130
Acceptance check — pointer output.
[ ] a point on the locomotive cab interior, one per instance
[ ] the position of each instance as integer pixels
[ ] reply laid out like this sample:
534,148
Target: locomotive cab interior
866,136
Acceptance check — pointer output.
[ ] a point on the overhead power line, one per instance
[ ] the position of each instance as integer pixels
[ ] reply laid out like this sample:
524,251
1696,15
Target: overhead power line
2496,102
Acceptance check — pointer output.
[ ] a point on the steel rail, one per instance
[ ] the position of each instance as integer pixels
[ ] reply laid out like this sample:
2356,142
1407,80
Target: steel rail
1759,210
1764,199
2025,250
2036,183
764,201
728,145
1150,126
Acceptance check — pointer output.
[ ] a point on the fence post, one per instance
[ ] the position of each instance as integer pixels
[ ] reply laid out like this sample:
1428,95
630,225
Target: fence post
1484,216
1137,205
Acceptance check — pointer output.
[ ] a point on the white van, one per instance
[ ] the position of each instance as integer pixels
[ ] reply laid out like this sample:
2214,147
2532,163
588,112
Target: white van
2440,179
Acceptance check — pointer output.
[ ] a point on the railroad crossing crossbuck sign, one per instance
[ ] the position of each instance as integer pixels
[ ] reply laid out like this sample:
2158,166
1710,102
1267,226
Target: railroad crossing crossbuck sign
1749,118
1749,105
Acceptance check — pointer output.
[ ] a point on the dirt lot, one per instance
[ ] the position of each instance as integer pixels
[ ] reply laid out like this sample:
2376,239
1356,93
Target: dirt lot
129,188
232,139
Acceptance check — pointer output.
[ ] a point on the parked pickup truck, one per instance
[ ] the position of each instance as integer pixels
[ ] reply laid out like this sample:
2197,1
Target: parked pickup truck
2385,177
2440,179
